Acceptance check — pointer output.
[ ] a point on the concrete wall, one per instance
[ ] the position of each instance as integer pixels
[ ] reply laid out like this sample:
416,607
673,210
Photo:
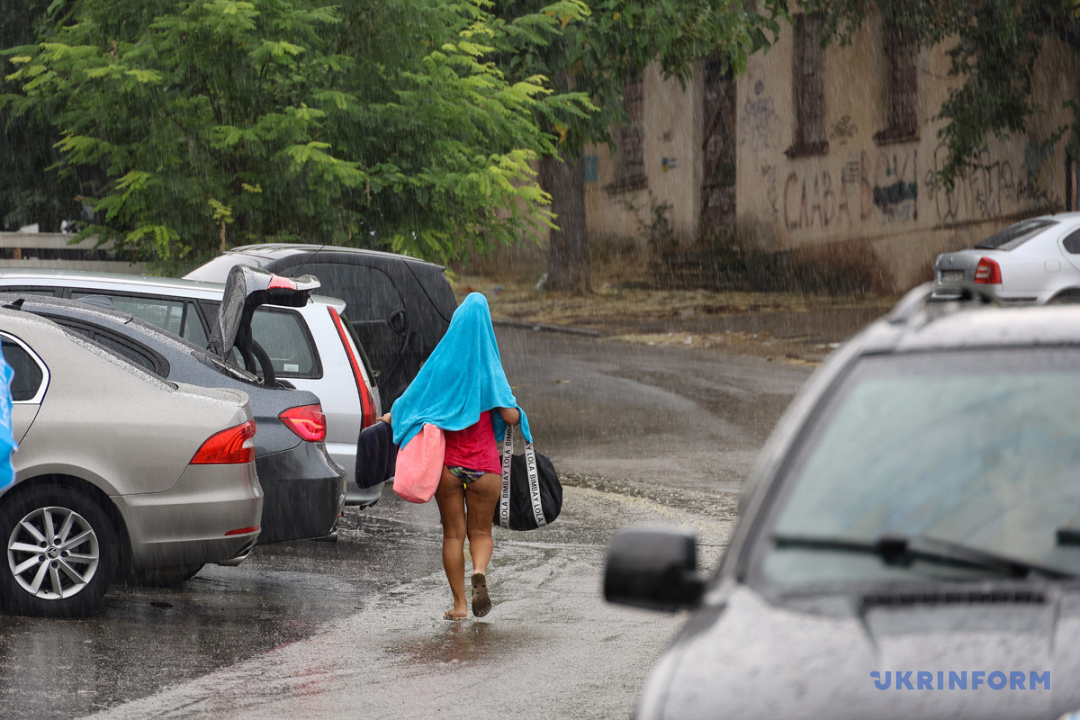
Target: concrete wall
843,195
672,148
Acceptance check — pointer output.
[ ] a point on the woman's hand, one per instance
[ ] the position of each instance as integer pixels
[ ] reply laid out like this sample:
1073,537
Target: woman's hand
512,416
385,418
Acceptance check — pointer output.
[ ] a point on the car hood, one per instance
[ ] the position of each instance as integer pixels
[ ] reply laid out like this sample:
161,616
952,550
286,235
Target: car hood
246,289
751,658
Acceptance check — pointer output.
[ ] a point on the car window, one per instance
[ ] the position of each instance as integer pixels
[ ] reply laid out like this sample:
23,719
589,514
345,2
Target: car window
369,294
193,330
285,337
975,448
1015,235
174,315
1072,243
32,290
27,376
126,348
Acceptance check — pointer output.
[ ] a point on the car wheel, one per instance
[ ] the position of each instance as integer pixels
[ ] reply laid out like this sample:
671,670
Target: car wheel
60,552
165,577
1065,297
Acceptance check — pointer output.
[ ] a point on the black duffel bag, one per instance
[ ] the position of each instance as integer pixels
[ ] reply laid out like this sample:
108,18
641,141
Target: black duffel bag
531,492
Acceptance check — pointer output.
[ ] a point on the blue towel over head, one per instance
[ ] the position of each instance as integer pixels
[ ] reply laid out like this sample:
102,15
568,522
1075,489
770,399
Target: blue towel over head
462,378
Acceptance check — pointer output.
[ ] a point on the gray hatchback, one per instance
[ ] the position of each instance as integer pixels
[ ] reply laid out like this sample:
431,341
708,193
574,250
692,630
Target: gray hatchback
909,542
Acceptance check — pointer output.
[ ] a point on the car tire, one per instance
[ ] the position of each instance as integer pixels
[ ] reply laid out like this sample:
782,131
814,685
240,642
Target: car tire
1065,297
60,552
165,577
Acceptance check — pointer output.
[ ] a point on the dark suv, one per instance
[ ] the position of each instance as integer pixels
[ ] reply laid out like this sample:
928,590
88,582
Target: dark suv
399,306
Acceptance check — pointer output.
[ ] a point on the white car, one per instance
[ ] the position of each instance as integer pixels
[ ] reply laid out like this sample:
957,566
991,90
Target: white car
1035,261
310,347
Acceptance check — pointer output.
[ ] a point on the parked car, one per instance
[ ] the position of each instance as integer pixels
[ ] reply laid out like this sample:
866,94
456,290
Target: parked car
909,542
304,489
1035,261
399,306
117,471
309,347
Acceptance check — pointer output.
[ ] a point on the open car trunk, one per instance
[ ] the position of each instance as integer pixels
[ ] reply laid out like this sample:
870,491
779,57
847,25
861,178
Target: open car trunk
246,289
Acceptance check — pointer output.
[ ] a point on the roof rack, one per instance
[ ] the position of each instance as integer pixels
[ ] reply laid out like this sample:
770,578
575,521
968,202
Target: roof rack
927,293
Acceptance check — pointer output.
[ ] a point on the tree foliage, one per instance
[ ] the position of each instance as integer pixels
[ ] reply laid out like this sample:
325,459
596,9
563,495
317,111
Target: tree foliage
369,122
620,38
992,47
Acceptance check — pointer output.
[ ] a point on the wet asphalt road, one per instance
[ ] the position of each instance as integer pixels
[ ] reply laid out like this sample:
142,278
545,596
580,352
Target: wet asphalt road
641,435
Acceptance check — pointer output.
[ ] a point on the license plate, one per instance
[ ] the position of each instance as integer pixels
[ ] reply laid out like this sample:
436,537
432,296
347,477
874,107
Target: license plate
947,275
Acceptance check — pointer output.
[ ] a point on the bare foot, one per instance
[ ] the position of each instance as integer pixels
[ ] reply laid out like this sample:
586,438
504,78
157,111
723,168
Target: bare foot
455,614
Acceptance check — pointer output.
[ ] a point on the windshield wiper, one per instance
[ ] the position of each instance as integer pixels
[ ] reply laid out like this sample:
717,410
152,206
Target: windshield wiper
903,551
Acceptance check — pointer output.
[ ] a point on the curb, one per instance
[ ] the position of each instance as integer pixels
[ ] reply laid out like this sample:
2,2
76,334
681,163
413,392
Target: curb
541,327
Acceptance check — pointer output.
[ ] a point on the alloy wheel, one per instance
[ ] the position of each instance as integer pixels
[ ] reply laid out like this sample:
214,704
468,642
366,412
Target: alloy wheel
53,553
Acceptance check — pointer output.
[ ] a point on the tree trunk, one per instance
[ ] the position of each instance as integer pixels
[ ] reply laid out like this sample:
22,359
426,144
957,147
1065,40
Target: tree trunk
568,254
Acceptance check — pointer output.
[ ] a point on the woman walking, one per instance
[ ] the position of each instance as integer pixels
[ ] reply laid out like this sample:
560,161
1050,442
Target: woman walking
462,389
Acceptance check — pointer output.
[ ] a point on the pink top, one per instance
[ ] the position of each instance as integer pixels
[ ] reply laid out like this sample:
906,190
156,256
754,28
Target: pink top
474,447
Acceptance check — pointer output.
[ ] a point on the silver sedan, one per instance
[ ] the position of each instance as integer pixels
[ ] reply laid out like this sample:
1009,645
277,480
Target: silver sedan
1034,261
117,471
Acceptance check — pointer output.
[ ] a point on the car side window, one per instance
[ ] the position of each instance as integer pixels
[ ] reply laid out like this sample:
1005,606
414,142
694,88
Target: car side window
193,330
31,290
176,316
1071,243
27,376
369,294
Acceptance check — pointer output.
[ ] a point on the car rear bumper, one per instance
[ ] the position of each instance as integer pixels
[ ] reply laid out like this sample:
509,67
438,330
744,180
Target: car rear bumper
190,523
304,493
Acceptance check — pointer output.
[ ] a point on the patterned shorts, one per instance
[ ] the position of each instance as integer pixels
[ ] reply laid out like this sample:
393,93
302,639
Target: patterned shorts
465,475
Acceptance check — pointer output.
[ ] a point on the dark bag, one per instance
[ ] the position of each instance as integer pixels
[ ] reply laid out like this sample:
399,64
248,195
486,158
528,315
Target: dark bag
376,455
531,491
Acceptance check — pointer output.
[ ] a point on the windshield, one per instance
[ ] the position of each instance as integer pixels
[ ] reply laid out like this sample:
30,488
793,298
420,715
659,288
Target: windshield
974,450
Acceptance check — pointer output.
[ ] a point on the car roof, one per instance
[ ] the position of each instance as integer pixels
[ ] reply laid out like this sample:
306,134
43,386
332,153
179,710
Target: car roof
273,251
966,325
133,283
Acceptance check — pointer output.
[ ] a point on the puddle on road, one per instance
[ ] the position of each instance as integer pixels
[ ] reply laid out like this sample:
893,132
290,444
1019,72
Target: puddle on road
469,641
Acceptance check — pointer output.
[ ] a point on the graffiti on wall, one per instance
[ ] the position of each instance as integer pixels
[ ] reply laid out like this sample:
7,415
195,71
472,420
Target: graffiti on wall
825,198
992,188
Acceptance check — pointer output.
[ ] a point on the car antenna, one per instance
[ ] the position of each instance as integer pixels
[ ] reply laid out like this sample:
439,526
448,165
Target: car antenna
15,305
308,261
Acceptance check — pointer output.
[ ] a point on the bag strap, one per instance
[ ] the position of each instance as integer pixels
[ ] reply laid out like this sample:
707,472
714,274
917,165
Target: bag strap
504,497
534,481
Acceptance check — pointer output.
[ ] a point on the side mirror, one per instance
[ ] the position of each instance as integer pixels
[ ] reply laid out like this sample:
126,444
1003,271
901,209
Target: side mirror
654,569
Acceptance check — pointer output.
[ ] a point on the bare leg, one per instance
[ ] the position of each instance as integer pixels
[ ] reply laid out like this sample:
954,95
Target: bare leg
450,496
481,498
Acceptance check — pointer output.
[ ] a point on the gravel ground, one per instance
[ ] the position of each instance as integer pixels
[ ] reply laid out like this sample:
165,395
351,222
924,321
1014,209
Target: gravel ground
785,327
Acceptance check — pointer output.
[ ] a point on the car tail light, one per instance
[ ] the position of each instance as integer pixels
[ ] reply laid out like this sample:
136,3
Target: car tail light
367,405
235,445
987,272
242,531
307,421
283,283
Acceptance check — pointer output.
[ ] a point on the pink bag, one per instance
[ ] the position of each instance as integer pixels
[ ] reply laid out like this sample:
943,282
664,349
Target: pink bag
419,465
